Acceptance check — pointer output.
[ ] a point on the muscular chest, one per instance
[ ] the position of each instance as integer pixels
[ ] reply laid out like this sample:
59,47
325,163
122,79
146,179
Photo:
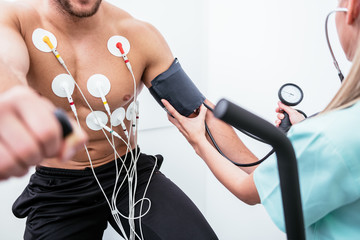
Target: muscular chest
86,58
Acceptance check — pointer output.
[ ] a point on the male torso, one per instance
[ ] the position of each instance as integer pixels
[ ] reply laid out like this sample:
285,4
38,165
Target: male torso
82,43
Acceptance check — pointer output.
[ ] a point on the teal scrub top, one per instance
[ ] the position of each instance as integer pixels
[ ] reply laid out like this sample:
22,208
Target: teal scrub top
327,149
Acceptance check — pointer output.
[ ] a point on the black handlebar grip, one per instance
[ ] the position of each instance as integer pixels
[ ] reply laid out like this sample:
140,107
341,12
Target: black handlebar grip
64,122
285,123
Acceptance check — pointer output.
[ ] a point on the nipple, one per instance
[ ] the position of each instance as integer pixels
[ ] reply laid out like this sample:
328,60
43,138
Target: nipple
126,98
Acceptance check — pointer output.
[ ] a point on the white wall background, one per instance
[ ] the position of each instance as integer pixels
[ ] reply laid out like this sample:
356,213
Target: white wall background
241,50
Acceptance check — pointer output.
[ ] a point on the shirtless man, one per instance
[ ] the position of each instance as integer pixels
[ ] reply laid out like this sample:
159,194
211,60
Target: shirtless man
63,200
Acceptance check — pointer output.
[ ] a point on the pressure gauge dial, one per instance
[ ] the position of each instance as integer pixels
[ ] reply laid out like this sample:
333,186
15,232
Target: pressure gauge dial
290,94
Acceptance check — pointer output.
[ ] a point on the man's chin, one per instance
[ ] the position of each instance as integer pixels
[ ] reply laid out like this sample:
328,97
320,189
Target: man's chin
81,9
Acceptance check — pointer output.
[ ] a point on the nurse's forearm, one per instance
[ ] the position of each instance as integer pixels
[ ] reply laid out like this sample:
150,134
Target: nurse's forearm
240,183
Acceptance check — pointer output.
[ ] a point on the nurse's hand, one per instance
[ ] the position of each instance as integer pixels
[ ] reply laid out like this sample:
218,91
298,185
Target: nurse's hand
193,129
295,116
30,132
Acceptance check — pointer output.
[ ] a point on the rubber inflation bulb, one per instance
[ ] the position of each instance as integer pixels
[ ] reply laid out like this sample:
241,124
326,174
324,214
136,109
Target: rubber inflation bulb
285,123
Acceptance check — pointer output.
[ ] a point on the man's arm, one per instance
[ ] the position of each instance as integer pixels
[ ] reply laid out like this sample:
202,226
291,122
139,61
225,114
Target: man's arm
29,131
160,59
14,56
157,54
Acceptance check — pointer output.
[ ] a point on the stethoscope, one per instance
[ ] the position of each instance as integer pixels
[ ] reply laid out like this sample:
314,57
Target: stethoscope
341,76
291,94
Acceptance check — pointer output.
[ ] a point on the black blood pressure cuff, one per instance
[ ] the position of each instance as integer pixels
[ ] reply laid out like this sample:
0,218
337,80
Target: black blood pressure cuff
176,87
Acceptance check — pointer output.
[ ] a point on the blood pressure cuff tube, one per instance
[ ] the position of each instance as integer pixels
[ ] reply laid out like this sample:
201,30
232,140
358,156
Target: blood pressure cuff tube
176,87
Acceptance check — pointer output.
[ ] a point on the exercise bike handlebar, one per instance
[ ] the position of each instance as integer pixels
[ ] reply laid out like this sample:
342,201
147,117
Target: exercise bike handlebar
287,165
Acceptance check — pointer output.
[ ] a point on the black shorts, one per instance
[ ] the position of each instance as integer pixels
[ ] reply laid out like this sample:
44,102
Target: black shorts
68,204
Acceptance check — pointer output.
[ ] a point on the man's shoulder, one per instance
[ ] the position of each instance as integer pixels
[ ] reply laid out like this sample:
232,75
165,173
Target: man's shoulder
16,10
127,22
147,40
7,9
15,6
